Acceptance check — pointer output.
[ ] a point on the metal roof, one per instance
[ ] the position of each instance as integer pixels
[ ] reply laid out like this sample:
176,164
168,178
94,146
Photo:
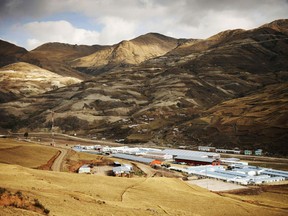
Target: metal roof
230,159
195,158
121,169
278,173
133,158
85,166
181,152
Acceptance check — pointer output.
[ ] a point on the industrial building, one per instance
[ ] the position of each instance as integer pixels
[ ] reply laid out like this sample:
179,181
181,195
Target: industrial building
233,162
133,158
228,151
196,161
85,169
123,170
246,175
158,155
206,148
189,153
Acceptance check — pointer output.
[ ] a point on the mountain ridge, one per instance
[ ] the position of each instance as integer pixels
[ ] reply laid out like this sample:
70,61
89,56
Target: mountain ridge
177,98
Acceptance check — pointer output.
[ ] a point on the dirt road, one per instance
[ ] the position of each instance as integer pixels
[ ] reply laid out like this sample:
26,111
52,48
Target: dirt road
57,165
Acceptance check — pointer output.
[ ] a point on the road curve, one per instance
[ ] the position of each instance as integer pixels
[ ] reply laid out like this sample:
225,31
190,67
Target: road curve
57,164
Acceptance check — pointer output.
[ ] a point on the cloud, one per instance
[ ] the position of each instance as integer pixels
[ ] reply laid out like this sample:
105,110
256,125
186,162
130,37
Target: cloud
116,29
111,21
58,31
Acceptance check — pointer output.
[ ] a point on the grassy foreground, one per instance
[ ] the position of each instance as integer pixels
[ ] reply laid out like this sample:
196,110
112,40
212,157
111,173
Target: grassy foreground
79,194
24,153
74,194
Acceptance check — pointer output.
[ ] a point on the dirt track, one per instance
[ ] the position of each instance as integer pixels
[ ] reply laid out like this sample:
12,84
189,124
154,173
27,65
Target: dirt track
57,165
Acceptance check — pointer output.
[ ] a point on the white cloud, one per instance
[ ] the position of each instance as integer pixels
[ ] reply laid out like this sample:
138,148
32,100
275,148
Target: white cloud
58,31
116,29
115,20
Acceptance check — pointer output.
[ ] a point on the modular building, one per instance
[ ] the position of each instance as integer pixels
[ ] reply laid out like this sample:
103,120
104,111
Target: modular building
133,158
258,152
84,169
196,161
158,155
247,152
228,151
206,148
245,175
180,152
122,170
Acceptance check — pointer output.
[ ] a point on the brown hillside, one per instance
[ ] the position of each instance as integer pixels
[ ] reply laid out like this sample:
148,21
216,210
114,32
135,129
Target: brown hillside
56,57
10,53
157,100
22,79
259,120
130,52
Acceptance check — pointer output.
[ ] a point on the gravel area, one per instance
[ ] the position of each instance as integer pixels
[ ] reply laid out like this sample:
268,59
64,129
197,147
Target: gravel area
215,185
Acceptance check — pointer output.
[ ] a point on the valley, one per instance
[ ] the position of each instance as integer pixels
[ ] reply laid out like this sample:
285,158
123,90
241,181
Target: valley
228,91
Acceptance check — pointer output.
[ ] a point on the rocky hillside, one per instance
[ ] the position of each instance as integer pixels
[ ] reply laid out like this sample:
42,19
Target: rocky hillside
21,79
56,57
229,90
10,53
126,53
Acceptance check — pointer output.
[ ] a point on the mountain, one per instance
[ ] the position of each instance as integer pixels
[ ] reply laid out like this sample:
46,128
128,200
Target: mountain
22,80
10,53
259,120
56,57
278,25
229,90
126,53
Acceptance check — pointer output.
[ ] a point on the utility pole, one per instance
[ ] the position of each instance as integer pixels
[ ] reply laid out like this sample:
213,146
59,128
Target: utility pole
52,128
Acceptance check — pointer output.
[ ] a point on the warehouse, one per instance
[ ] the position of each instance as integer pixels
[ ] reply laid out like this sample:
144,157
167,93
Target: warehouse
275,173
133,158
181,152
158,155
123,170
245,176
196,161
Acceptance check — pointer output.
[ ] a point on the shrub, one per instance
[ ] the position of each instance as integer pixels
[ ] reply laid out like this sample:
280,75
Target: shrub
2,190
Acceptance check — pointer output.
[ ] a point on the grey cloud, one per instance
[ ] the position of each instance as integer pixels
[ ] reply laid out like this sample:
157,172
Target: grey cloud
178,18
15,9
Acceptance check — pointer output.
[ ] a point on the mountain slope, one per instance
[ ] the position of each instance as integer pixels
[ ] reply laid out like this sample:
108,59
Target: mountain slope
56,57
259,120
174,99
126,53
10,53
22,79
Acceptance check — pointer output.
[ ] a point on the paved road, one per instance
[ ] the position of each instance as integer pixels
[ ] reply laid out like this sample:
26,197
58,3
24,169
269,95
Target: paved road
57,165
69,137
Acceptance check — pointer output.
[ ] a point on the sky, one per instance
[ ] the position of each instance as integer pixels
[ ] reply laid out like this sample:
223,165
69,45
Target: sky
31,23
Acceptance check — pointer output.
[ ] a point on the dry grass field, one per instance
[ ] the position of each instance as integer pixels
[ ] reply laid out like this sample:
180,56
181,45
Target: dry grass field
73,194
65,193
24,153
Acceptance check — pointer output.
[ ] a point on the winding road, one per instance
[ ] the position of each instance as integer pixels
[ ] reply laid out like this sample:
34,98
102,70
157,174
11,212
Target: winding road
57,164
